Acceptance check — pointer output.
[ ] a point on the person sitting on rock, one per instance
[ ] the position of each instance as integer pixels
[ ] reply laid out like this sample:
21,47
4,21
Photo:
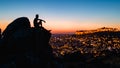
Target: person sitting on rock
38,22
0,34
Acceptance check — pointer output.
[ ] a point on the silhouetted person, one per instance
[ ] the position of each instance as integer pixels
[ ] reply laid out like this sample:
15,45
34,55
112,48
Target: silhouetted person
38,22
0,34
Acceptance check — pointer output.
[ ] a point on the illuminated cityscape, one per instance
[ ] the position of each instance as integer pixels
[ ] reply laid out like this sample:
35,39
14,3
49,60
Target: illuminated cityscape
60,33
94,42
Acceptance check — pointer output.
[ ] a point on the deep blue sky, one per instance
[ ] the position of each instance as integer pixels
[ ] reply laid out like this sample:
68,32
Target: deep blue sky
68,14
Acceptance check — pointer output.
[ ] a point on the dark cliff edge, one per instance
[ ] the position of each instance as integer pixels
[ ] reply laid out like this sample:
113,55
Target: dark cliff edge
24,46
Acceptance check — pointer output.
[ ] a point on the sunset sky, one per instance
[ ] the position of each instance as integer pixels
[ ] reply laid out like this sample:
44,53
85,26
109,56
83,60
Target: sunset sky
63,16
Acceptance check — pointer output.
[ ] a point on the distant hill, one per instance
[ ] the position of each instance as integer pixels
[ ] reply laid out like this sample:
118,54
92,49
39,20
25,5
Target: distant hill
103,29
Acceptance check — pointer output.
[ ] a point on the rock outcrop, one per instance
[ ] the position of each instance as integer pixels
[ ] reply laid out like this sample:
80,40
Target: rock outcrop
21,45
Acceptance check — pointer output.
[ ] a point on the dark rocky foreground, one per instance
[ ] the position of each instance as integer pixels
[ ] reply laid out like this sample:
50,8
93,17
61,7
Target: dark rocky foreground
24,46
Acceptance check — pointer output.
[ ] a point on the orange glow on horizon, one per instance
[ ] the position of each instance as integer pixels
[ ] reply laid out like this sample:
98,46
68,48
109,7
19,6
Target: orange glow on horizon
3,26
64,28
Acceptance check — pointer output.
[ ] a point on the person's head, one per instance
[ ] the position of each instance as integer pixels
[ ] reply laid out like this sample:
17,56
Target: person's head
37,15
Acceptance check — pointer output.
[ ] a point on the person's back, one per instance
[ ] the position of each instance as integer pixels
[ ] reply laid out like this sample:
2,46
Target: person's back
36,24
0,34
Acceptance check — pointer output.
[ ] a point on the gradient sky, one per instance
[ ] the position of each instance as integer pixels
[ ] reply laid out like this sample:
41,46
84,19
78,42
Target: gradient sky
63,16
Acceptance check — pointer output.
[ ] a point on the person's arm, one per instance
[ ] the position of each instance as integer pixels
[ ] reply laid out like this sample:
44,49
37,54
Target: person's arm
42,20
